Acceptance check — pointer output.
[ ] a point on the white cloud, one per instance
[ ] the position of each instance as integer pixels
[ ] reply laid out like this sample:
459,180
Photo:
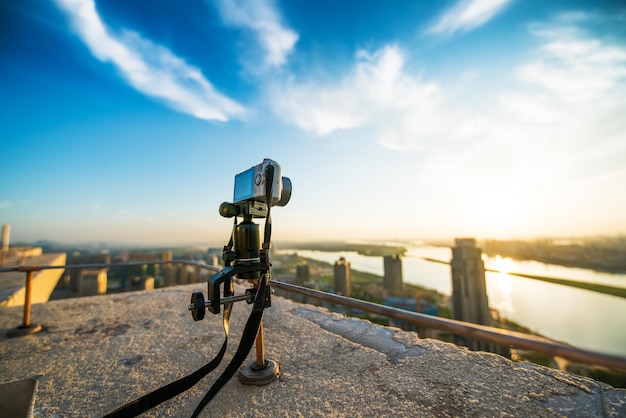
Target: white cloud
572,85
376,93
575,68
262,18
466,15
149,68
5,204
551,137
557,136
573,91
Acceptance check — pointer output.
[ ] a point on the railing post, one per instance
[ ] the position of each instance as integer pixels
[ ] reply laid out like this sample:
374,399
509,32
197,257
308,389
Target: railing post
26,328
27,299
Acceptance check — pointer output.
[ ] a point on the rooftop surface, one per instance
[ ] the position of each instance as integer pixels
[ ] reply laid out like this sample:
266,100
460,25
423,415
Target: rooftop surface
97,353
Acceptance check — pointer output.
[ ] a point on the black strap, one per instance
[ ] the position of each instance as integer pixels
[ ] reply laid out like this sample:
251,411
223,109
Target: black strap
245,345
254,320
158,396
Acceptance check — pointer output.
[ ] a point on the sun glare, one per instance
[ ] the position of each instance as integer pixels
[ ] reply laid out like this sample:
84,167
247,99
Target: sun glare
496,211
503,265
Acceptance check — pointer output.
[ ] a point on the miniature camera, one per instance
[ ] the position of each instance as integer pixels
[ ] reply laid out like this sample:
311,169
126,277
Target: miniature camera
251,185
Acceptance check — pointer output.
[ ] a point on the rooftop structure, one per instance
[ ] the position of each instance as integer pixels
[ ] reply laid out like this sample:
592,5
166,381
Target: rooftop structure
97,353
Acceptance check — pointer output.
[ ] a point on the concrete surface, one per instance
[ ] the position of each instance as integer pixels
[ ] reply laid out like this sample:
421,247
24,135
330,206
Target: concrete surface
99,352
13,284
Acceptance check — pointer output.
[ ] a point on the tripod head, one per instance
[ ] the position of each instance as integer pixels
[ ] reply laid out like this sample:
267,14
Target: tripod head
247,209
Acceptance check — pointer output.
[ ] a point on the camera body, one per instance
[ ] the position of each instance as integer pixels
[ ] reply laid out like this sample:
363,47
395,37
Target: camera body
251,185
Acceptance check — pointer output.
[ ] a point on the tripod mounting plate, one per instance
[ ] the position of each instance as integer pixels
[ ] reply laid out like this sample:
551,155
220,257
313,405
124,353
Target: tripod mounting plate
252,209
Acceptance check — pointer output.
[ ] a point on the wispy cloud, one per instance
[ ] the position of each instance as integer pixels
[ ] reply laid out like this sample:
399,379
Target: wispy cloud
557,134
466,15
376,93
574,67
262,18
149,68
5,204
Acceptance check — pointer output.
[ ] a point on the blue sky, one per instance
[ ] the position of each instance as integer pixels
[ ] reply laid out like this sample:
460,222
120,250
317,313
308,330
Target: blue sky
127,121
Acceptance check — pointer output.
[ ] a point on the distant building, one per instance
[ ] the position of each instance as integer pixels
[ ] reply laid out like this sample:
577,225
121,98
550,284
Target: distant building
170,275
166,256
140,283
413,304
214,260
302,273
92,282
8,253
6,233
342,276
94,276
469,292
392,281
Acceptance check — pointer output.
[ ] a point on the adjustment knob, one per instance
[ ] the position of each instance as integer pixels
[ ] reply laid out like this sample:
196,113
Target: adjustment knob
228,210
197,307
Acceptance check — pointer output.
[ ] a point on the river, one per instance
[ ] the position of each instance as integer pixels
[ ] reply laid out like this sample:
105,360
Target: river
579,317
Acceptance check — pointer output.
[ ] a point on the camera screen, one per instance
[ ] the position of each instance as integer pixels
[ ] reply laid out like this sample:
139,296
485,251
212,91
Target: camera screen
244,185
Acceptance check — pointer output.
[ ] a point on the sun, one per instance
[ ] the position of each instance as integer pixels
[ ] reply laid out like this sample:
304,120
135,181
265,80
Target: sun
497,211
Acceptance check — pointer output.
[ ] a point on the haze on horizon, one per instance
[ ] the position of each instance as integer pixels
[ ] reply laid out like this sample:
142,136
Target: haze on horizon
127,122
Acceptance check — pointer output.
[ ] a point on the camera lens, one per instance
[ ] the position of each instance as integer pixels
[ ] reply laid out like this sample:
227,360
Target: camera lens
286,194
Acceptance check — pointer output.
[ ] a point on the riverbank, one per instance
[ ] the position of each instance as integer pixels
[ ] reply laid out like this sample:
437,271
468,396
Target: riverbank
594,287
606,254
367,249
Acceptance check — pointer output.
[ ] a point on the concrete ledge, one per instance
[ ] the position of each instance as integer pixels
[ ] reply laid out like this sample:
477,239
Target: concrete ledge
99,352
16,398
13,284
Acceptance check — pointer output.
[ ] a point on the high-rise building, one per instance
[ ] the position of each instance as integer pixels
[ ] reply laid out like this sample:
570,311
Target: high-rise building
342,277
469,292
392,281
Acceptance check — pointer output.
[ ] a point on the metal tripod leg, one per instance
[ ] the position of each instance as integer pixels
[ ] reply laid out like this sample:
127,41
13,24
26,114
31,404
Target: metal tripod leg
262,371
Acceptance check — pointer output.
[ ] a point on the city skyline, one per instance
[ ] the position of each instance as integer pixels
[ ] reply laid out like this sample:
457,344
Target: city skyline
488,118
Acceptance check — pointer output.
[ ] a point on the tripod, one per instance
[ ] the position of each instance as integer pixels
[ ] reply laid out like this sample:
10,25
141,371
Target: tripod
245,258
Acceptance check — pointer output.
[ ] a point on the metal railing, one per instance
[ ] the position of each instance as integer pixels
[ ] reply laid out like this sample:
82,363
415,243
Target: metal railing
466,329
460,328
